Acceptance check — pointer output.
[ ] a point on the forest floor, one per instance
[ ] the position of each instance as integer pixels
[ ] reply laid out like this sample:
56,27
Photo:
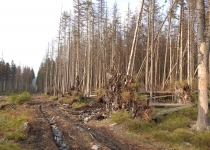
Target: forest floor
54,126
57,126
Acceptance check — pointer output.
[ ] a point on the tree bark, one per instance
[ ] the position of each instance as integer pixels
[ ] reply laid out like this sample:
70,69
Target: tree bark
202,120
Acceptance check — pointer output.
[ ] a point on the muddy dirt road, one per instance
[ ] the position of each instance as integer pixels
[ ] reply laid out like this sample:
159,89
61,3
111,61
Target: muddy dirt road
57,126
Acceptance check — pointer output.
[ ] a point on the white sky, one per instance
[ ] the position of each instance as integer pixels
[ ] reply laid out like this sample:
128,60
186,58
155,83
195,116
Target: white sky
26,27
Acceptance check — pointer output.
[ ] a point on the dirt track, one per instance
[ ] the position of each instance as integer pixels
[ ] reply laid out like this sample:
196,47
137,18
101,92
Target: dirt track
55,126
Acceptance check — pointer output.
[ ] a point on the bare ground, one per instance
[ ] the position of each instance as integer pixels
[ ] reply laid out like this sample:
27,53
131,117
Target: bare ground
57,126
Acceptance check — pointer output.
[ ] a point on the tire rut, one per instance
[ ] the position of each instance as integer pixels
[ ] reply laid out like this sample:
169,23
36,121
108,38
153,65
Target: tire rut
57,134
100,137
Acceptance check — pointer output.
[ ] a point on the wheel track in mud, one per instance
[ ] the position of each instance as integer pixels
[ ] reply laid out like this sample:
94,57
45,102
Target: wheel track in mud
104,139
77,135
58,136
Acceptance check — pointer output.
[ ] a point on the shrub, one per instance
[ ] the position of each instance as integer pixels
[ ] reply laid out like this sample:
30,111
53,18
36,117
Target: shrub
25,96
12,98
126,96
19,99
120,116
79,97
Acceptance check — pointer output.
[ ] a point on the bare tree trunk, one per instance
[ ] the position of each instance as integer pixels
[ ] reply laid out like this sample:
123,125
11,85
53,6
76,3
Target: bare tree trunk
181,42
47,67
166,54
89,49
147,53
132,56
188,50
202,120
157,81
208,46
152,48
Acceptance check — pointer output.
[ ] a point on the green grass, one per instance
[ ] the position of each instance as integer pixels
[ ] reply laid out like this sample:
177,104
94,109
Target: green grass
52,98
12,129
79,104
171,129
19,99
12,98
120,116
9,145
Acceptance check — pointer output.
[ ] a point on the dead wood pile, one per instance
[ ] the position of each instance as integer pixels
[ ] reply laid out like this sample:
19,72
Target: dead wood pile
183,94
113,99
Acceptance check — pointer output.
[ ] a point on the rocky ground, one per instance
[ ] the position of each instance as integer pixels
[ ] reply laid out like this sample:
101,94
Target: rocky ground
55,126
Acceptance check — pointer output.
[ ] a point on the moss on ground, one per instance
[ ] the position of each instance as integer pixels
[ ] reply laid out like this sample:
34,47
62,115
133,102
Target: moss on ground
172,129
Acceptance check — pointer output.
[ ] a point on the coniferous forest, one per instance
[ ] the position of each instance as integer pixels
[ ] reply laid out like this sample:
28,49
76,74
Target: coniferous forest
15,78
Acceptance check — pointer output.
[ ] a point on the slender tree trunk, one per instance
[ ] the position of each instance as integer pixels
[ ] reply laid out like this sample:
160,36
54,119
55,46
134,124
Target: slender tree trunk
202,120
132,56
47,68
188,48
181,42
152,48
147,53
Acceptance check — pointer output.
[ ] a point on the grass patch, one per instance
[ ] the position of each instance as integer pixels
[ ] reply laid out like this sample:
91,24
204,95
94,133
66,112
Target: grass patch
76,100
9,145
12,98
79,104
19,99
171,129
121,116
12,129
67,100
52,98
202,140
171,124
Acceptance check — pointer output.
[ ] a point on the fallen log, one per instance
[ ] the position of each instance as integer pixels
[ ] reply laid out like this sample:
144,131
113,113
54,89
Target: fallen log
161,97
158,92
164,112
166,104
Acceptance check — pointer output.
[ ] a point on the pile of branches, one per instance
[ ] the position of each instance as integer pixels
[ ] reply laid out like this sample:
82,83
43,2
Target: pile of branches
119,94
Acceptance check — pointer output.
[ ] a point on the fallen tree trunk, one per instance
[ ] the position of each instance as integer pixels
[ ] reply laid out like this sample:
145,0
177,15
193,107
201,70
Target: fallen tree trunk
161,97
166,104
171,110
158,92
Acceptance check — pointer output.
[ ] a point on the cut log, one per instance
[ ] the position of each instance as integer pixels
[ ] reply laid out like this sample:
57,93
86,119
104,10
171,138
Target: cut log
171,110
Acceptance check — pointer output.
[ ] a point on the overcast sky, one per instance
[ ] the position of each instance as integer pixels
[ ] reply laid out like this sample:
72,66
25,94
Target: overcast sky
26,27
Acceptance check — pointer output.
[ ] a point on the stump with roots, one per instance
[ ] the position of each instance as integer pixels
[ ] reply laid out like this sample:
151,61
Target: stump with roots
114,101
